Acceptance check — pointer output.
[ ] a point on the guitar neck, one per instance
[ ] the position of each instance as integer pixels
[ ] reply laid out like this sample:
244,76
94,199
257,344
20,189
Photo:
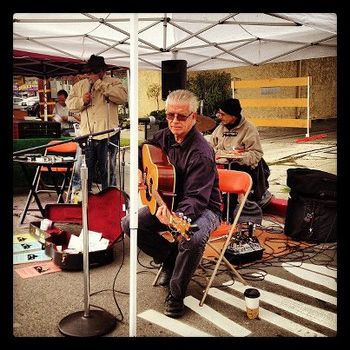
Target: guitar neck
160,202
180,225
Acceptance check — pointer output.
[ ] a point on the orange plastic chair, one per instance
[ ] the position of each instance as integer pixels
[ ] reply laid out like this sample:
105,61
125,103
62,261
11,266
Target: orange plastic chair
63,149
240,183
230,181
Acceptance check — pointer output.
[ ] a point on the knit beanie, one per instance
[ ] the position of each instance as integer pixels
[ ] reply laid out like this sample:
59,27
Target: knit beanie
231,106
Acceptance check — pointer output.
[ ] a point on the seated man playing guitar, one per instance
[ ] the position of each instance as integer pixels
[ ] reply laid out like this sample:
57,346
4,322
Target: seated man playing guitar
177,172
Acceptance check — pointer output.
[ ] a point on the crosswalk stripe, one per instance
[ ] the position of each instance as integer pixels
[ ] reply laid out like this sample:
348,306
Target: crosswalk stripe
266,315
172,325
316,268
299,288
216,318
322,317
314,277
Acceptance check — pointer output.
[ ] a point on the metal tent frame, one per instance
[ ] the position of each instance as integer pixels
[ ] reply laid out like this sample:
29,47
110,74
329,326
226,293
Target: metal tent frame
204,40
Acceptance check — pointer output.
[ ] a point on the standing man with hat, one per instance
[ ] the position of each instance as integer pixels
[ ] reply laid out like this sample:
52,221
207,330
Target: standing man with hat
97,98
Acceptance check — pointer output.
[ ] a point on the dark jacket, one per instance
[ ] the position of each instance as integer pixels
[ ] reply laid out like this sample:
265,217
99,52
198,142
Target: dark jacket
197,181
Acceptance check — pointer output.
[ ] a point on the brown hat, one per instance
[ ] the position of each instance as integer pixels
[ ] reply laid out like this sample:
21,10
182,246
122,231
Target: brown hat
95,64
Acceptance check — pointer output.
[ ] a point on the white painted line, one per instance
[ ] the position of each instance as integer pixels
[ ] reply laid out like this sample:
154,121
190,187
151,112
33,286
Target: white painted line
314,277
266,315
312,267
311,313
216,318
299,288
172,324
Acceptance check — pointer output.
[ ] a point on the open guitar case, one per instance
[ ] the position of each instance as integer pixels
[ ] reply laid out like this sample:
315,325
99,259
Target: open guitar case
105,211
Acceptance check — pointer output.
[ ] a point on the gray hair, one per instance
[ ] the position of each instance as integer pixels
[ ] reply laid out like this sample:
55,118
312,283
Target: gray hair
183,96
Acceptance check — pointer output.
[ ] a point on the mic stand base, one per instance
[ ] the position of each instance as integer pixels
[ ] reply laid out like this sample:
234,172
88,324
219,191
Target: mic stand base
98,323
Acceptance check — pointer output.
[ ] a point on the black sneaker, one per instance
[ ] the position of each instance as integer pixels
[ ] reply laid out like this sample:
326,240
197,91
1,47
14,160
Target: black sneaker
174,307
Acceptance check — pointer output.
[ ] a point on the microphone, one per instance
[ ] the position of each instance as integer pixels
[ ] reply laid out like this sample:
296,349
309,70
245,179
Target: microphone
147,120
91,85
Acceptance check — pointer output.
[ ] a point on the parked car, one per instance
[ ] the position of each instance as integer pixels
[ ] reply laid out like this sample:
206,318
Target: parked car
34,110
17,102
29,101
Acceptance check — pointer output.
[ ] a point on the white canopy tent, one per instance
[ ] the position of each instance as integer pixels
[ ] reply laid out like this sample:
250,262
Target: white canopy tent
204,40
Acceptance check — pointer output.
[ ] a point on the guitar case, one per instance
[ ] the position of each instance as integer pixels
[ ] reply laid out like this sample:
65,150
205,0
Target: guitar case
105,211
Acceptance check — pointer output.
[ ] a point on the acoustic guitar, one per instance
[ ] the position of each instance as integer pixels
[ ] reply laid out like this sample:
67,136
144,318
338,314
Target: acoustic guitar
159,179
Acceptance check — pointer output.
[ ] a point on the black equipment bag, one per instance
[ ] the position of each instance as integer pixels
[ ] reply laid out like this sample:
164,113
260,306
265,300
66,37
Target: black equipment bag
311,220
312,205
312,183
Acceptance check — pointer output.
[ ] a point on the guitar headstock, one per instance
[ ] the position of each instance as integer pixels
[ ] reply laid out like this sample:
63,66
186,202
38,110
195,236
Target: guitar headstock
182,225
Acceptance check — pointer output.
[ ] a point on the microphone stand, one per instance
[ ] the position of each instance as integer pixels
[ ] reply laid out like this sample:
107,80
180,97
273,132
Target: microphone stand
87,323
80,139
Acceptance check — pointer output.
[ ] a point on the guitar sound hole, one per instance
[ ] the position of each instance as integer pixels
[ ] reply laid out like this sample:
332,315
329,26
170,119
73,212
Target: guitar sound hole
149,190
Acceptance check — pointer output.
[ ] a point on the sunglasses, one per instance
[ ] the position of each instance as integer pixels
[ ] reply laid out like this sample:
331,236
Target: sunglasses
179,117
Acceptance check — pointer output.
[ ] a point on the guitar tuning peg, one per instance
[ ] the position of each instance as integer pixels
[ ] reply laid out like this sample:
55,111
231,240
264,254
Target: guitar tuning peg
189,220
185,218
181,215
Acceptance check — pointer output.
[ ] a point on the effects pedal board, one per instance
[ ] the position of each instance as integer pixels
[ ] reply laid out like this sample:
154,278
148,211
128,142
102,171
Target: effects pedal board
244,248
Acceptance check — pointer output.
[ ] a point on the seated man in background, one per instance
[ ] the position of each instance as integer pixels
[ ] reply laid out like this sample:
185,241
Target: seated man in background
236,143
62,114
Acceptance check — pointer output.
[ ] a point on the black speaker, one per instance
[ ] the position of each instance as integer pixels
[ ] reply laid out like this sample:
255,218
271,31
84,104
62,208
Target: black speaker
36,129
174,74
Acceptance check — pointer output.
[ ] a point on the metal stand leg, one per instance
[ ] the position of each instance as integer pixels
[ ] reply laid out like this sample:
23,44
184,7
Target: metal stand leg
157,276
228,200
32,193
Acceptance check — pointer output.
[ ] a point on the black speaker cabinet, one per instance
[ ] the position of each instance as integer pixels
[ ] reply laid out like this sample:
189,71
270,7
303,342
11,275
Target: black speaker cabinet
174,75
36,129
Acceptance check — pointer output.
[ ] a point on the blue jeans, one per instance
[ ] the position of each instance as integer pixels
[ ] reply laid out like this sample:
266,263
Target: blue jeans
187,254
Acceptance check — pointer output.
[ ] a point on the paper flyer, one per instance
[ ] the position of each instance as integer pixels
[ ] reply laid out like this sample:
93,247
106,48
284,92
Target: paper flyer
39,269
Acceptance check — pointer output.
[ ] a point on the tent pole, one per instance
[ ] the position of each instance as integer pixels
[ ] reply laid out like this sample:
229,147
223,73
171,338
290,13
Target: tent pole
308,108
45,101
133,115
165,24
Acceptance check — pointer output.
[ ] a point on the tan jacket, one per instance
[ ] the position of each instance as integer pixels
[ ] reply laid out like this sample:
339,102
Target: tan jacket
99,115
245,135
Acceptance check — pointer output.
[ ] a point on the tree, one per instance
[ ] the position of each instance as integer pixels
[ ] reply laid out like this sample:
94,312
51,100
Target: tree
212,88
153,92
